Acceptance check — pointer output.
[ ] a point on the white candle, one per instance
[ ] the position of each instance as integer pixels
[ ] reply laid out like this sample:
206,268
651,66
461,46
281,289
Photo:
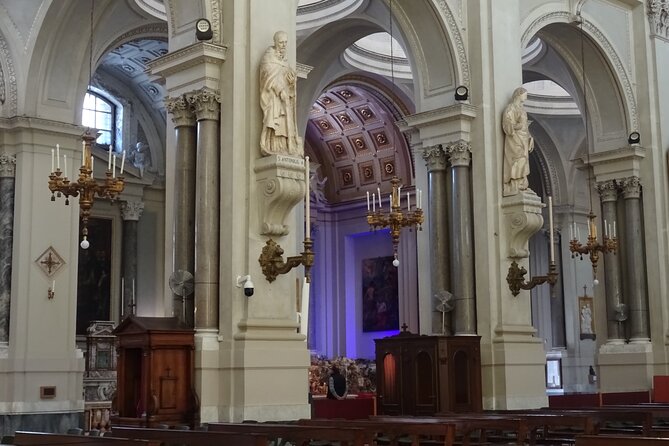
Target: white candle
374,202
307,231
390,201
606,229
92,163
52,158
53,286
122,295
420,199
122,162
378,191
571,231
114,167
58,156
109,157
614,229
578,232
65,165
83,152
399,195
367,201
409,201
550,228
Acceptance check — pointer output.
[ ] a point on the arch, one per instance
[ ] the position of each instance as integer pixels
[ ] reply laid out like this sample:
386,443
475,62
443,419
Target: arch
8,90
612,93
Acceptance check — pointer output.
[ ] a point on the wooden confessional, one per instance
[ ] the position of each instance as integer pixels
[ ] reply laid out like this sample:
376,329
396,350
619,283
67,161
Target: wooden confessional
155,373
423,375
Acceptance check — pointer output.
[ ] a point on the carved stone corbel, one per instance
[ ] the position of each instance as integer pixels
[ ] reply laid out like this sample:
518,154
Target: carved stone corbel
282,183
522,213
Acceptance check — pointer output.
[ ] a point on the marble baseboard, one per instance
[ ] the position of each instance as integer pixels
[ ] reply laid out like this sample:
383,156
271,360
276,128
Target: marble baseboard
40,422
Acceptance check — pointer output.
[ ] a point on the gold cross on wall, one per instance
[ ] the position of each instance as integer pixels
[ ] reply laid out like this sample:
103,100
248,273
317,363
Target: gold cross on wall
50,263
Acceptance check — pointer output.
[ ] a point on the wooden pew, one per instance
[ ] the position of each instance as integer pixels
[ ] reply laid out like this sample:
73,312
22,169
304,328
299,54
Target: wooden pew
444,432
296,434
23,438
189,438
619,440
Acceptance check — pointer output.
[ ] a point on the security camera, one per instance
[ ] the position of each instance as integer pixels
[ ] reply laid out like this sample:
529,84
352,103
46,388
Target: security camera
247,283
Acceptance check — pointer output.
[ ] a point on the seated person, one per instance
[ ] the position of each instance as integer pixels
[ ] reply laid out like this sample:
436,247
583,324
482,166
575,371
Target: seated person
337,388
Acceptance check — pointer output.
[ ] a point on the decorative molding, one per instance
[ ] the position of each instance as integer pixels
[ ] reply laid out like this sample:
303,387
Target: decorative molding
658,18
216,20
522,213
460,153
132,210
454,33
153,30
8,78
188,57
207,104
608,190
282,181
7,165
435,158
50,262
181,111
631,187
303,70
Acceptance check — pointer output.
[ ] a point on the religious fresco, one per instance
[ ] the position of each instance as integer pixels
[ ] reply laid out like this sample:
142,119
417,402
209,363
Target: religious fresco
586,317
380,308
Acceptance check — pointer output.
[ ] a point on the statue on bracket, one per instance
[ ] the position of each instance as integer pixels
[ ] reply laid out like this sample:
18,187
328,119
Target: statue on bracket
518,143
277,83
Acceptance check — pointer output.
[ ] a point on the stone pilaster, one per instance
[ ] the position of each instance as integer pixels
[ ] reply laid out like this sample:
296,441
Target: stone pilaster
637,297
7,185
183,117
460,240
608,194
207,105
436,161
131,212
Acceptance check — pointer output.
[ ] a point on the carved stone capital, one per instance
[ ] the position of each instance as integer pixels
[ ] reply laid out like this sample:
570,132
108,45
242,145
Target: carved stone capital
132,210
658,17
7,166
460,153
207,104
282,181
631,187
181,111
523,218
435,158
608,190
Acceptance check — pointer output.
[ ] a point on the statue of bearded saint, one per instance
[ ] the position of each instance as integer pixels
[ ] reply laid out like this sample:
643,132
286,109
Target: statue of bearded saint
277,100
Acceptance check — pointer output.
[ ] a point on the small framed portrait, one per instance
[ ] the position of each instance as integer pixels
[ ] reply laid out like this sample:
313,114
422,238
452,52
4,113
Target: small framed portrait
586,316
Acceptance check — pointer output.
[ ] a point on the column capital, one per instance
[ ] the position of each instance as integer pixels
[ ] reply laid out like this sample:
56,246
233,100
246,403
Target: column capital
181,111
132,210
608,190
7,166
207,104
435,158
631,187
460,153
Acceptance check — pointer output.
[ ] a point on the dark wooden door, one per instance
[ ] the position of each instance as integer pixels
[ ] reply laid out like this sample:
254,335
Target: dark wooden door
389,379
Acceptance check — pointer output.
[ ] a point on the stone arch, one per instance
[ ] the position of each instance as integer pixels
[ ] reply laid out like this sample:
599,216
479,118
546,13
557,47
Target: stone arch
611,106
8,89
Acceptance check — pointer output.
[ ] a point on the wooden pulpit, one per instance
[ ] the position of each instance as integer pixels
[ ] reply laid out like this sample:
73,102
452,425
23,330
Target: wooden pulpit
155,373
423,375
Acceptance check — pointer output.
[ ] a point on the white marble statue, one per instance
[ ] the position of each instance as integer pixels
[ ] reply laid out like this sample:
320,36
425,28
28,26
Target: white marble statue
277,99
518,143
140,157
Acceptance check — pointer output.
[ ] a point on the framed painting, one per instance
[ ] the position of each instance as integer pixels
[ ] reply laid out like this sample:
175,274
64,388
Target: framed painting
380,306
586,317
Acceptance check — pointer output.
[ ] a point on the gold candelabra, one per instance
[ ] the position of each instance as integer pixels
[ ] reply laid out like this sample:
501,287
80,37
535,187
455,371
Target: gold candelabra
86,187
396,218
592,246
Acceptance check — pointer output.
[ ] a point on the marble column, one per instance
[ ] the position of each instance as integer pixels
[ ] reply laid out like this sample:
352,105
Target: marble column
7,175
207,105
637,298
435,160
461,242
608,194
131,211
183,117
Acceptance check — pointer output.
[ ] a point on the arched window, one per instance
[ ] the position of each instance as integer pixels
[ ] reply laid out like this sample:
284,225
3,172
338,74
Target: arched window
100,113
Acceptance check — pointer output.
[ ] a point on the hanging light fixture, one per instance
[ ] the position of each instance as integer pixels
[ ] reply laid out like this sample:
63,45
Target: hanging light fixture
86,187
592,246
396,218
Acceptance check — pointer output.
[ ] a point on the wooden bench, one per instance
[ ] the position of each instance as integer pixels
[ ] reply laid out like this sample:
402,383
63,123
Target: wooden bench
619,440
439,433
296,434
189,438
22,438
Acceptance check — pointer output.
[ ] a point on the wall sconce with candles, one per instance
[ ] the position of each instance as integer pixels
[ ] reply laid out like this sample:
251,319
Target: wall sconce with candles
51,292
395,219
86,187
271,257
516,275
